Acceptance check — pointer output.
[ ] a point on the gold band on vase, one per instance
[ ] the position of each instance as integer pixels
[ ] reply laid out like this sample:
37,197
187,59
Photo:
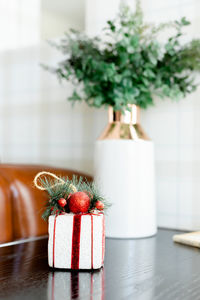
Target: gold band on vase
124,126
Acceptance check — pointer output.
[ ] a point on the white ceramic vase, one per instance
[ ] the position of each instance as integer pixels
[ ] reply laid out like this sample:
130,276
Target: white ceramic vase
124,171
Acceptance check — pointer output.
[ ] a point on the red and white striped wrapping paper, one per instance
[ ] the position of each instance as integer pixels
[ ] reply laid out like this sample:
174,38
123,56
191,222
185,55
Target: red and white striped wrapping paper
76,241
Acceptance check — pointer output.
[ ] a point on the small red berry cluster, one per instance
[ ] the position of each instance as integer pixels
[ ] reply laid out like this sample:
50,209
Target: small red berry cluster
79,202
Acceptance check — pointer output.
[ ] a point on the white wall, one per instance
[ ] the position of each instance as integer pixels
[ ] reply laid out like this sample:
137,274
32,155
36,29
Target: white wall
175,128
38,125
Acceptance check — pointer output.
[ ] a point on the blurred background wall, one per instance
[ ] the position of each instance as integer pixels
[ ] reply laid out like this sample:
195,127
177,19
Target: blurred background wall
38,125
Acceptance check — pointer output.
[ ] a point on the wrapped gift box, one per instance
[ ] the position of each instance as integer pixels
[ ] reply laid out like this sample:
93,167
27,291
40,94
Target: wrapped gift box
76,241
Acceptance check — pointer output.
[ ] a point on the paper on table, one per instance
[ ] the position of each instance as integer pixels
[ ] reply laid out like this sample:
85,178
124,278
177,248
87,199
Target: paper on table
191,238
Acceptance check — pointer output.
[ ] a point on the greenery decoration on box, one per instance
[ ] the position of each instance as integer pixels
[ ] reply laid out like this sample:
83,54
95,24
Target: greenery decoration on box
130,65
76,196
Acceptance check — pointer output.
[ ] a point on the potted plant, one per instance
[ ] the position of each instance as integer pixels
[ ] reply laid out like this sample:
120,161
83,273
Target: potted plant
123,70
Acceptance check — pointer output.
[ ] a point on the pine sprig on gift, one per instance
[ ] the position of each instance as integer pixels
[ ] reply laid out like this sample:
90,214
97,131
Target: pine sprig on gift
93,192
64,188
56,190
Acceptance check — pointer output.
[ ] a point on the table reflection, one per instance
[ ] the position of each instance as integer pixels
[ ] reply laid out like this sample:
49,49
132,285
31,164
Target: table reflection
76,285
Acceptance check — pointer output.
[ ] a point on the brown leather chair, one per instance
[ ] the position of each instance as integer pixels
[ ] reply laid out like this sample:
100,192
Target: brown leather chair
21,203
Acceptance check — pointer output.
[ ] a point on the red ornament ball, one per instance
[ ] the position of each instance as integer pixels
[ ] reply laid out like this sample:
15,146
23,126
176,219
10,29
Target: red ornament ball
79,202
89,194
99,205
62,202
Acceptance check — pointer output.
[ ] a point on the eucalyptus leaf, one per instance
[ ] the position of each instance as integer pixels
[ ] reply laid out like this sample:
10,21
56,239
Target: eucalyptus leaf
132,65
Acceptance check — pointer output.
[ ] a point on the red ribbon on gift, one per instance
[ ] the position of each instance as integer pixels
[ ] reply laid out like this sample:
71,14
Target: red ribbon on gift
76,239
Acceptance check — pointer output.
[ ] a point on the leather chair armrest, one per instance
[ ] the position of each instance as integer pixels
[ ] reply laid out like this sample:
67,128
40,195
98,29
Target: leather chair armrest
6,224
27,201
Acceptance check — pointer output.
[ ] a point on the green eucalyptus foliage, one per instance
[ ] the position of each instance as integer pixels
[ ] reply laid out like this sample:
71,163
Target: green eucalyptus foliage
129,65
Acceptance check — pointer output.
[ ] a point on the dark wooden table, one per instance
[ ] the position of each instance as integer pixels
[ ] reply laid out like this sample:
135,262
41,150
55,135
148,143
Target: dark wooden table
144,269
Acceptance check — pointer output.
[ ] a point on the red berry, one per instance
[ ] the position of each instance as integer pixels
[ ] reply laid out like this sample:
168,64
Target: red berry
99,205
62,202
56,211
79,202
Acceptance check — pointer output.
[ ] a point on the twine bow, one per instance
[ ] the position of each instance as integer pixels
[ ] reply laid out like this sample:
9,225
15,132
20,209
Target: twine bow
54,176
